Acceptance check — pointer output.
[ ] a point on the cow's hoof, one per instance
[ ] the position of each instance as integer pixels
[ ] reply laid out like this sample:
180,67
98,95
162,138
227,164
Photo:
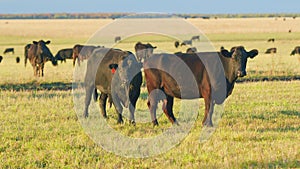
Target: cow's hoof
132,122
155,123
105,116
176,123
120,121
85,115
208,124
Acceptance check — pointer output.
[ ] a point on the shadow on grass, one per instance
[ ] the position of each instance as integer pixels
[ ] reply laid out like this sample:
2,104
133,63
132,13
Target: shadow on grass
291,113
272,164
60,86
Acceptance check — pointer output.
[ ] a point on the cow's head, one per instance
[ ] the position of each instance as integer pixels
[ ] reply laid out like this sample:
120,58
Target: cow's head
238,59
127,69
143,51
44,52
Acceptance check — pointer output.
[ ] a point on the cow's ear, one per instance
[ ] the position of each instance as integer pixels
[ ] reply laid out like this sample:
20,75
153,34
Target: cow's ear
35,42
226,53
48,42
252,53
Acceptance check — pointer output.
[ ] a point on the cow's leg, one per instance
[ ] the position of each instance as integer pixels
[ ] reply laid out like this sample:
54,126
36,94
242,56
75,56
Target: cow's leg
152,105
119,110
209,109
102,104
88,97
133,99
42,69
168,110
74,60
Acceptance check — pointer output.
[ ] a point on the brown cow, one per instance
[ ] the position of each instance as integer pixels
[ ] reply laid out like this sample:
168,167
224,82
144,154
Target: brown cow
82,52
296,51
165,72
143,51
38,54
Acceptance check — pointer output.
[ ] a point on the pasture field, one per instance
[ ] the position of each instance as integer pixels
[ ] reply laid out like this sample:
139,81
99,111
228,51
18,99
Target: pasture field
260,127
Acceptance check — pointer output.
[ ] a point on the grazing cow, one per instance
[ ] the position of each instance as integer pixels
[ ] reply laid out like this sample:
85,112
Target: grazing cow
7,50
81,52
117,75
1,58
176,44
17,59
186,42
143,51
210,81
38,54
64,54
271,40
117,39
296,51
196,38
271,50
290,30
191,50
26,48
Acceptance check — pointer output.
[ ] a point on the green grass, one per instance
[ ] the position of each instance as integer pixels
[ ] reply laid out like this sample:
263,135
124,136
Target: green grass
260,128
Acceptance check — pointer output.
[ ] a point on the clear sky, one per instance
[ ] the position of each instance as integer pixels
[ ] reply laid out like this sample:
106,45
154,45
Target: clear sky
165,6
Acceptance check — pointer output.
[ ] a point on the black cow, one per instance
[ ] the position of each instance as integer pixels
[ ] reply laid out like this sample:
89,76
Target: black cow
208,76
1,58
64,54
7,50
271,40
38,54
196,38
143,51
17,59
186,42
117,39
296,50
271,50
176,44
117,75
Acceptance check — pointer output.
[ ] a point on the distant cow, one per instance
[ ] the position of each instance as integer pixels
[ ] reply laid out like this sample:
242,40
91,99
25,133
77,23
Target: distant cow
271,50
191,50
212,84
271,40
64,54
26,48
117,39
17,59
7,50
296,51
117,75
38,54
186,42
1,58
176,44
82,52
143,51
196,38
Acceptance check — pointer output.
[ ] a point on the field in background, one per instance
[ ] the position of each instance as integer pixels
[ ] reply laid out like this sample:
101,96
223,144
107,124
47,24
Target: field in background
259,129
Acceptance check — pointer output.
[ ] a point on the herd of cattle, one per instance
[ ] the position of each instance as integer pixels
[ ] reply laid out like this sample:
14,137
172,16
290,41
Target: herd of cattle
117,74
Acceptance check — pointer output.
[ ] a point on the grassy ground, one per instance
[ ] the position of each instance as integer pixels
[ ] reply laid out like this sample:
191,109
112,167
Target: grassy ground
259,129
